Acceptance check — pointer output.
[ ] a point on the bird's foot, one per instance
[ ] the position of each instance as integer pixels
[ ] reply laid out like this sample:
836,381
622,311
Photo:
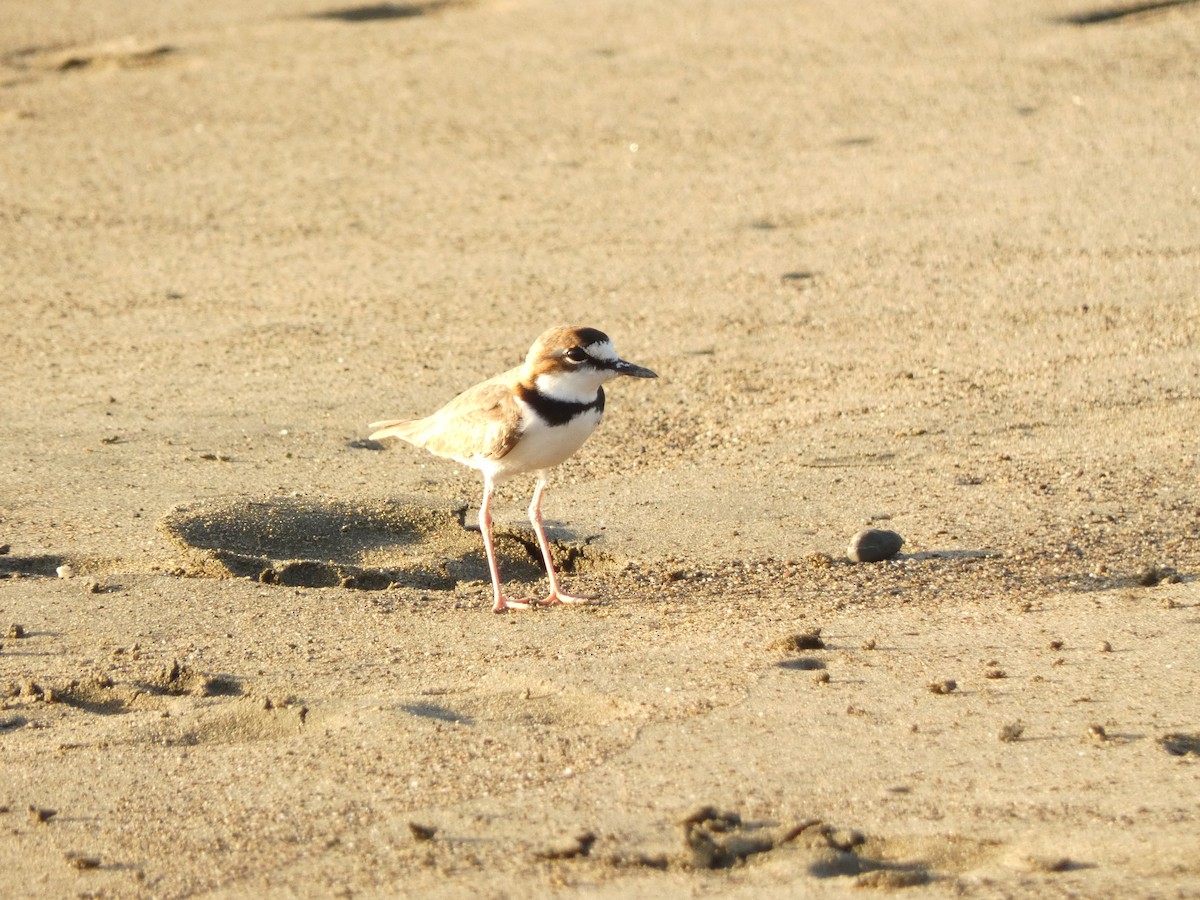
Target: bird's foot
504,604
559,597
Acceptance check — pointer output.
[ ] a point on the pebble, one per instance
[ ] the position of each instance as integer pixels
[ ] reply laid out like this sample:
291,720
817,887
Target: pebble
793,643
422,832
1149,576
874,545
65,571
1011,733
1048,863
41,815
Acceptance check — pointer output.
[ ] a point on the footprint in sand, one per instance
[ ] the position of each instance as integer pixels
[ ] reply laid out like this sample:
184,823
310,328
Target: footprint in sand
122,53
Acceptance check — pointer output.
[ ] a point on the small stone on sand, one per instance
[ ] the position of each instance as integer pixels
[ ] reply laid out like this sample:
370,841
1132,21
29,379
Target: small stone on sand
874,545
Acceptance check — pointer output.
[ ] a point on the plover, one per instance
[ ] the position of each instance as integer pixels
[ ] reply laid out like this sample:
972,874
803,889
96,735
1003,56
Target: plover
528,419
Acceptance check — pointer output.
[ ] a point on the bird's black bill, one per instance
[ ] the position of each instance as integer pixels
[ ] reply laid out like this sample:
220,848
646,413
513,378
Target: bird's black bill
628,368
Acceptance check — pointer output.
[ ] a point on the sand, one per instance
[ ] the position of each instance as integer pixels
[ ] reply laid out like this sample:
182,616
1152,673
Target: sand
923,267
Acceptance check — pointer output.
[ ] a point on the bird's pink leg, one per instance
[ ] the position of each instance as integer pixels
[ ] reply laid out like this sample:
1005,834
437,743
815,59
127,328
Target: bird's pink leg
485,526
535,516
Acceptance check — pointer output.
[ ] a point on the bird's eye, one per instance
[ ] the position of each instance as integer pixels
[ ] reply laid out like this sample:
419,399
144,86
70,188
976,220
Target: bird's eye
576,355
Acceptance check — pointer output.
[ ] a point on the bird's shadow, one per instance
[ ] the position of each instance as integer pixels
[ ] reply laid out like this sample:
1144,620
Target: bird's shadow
406,542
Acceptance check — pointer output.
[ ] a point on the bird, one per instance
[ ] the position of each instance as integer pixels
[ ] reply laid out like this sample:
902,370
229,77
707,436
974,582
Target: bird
528,419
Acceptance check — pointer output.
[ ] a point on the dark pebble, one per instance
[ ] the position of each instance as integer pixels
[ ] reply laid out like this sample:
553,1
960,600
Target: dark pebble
874,545
420,832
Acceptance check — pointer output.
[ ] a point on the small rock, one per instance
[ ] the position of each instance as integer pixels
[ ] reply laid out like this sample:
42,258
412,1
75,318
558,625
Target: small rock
65,571
421,832
1097,733
946,686
1011,733
83,862
41,815
1048,863
1149,576
874,545
16,631
1104,647
793,643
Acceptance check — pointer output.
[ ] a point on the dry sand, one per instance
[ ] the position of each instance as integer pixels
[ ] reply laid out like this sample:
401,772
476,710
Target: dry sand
930,267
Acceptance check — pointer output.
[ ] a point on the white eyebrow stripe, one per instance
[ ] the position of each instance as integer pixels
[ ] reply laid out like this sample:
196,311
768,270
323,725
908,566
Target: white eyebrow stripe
603,350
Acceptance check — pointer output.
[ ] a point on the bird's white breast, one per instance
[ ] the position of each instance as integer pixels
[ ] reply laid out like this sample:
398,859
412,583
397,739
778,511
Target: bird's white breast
543,446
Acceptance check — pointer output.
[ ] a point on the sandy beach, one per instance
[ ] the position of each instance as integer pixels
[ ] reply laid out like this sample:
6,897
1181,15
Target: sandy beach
922,267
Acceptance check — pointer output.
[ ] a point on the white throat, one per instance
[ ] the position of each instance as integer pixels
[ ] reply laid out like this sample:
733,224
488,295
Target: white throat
578,386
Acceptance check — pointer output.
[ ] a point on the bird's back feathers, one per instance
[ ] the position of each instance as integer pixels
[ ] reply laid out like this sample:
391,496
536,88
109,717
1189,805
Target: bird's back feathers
481,423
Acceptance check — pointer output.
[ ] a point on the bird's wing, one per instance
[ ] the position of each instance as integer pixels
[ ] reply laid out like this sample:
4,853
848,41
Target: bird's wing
482,421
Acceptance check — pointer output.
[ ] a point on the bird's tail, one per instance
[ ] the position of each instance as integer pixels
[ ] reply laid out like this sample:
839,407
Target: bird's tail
405,429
